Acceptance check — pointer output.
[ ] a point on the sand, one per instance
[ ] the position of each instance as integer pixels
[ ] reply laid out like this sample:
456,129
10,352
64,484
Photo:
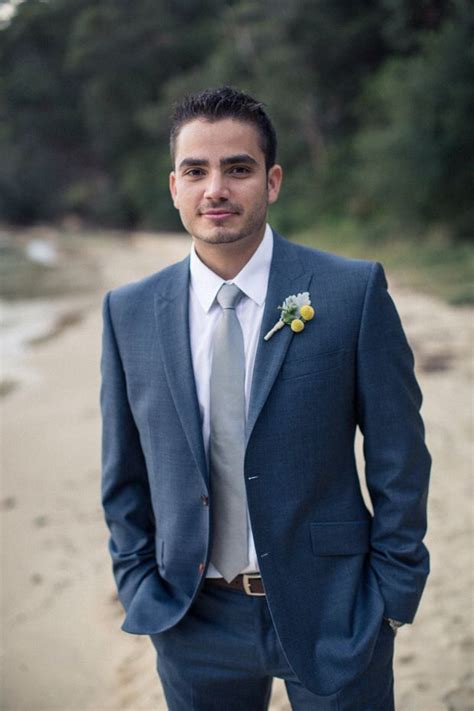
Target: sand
62,645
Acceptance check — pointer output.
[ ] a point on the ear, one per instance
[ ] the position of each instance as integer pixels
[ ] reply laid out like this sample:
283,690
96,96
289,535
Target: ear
173,190
274,178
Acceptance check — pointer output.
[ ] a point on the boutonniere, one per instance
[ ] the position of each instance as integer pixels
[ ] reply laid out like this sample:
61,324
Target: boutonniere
295,311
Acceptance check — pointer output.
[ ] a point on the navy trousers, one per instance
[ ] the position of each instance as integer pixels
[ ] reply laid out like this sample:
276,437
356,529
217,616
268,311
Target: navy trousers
225,652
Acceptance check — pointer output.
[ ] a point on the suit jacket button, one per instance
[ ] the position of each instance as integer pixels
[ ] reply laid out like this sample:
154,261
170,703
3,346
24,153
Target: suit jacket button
201,567
205,500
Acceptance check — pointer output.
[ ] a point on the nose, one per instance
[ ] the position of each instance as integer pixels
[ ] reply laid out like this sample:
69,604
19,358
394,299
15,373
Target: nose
216,187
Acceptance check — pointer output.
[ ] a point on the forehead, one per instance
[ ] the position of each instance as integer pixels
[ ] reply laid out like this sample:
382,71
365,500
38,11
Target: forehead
217,139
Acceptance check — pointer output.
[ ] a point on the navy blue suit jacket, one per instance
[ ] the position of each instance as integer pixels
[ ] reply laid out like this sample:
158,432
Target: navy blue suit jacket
331,569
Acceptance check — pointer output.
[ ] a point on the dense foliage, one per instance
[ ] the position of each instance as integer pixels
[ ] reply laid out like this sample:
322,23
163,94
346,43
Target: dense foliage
373,103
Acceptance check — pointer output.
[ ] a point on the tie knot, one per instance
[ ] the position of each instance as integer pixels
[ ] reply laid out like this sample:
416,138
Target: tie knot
228,296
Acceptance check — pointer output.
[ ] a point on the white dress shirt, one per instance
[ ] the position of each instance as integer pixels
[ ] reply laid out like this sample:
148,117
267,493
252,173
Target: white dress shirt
204,312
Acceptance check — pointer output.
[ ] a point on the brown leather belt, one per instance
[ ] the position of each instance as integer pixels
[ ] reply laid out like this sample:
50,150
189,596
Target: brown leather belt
248,583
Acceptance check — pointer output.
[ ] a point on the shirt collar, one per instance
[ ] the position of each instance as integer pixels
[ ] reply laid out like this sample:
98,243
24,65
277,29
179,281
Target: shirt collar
252,278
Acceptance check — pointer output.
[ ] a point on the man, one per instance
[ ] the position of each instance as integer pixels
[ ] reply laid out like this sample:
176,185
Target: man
239,537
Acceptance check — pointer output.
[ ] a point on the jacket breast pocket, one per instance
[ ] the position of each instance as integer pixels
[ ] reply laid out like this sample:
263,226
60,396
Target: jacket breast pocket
313,364
340,538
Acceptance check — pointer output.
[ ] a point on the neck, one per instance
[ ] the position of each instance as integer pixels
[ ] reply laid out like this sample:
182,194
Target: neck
227,260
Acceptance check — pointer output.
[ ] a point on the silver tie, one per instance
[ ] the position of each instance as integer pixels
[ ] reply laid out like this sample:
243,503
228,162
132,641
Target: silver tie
227,440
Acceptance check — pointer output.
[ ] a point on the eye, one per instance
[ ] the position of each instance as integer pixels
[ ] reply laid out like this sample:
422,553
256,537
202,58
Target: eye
240,170
194,172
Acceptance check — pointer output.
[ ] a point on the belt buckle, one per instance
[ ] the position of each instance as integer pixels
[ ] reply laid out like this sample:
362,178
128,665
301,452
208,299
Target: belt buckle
246,578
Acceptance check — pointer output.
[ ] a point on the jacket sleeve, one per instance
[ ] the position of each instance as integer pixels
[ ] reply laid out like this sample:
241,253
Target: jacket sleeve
125,490
397,463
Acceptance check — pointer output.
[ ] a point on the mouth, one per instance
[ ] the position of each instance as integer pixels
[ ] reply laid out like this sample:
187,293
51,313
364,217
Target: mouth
217,215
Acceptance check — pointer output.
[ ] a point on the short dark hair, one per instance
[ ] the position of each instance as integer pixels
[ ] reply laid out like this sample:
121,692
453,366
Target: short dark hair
225,102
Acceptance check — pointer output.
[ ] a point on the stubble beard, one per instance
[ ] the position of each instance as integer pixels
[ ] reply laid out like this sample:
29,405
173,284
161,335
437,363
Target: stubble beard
254,224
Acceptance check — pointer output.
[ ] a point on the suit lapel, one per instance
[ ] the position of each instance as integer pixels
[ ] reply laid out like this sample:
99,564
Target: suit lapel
287,276
172,321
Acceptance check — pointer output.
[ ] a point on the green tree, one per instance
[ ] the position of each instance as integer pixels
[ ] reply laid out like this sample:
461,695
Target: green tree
86,90
415,151
40,121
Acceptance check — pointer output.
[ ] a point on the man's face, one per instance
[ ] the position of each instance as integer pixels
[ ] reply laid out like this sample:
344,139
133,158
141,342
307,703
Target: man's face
220,185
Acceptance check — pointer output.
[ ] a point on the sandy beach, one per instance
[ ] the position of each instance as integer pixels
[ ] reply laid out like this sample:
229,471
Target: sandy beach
63,649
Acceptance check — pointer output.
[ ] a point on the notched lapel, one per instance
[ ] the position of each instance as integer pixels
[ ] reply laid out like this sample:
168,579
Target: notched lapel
287,276
172,319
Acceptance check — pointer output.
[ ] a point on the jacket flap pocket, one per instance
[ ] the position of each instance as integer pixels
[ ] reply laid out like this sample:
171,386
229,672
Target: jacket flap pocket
340,538
159,546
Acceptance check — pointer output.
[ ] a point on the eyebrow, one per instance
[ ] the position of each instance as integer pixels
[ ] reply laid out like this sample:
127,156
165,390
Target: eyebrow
229,160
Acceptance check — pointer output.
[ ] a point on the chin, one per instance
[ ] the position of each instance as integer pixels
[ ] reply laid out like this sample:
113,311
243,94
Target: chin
220,236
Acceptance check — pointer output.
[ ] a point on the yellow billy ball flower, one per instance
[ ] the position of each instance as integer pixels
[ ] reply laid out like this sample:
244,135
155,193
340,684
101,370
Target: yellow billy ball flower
297,325
307,312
